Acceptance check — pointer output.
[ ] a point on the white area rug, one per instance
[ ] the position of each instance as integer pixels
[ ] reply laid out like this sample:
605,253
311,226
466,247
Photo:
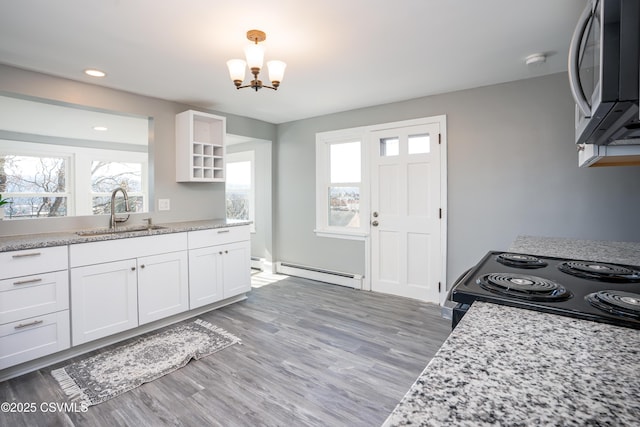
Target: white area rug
106,375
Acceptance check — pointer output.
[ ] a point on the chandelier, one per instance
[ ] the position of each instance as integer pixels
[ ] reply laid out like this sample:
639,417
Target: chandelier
255,57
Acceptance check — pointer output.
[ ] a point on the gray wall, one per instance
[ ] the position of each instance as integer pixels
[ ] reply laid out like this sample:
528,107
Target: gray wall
189,201
512,170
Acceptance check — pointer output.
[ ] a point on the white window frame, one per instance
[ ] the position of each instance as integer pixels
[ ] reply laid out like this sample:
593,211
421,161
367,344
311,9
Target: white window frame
324,141
246,156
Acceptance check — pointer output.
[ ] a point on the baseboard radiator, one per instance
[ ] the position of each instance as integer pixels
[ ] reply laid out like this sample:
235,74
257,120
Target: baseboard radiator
257,263
321,275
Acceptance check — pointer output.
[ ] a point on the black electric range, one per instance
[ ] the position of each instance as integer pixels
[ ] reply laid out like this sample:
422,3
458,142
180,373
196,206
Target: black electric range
596,291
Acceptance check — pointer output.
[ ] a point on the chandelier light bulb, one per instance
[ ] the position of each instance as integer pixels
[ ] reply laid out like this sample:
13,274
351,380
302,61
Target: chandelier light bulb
237,69
255,55
276,71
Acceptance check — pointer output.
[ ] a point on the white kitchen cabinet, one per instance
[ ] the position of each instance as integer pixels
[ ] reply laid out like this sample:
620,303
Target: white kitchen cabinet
34,304
219,264
28,339
104,300
205,279
200,147
163,286
119,284
236,268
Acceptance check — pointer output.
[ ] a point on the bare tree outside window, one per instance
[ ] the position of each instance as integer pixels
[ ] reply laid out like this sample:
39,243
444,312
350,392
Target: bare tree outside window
36,186
107,176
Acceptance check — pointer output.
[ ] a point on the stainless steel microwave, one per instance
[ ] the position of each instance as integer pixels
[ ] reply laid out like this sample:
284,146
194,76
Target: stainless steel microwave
604,58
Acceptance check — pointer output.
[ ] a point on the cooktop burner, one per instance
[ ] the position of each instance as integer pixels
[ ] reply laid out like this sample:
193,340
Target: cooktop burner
522,286
600,271
588,290
618,303
520,260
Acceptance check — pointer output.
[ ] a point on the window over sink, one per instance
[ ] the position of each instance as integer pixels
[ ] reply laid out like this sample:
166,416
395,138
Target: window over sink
44,181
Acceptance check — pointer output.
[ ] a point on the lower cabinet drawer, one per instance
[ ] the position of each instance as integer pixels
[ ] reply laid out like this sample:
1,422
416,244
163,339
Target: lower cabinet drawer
29,296
218,236
33,261
35,337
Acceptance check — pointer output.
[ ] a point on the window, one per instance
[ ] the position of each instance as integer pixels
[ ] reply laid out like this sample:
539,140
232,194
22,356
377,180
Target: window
339,171
344,184
37,185
108,175
45,181
240,186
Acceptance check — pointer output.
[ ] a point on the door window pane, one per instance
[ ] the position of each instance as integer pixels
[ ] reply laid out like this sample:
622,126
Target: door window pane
389,147
345,162
344,207
419,144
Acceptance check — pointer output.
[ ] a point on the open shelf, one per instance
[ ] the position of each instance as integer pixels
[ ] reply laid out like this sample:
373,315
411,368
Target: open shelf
200,147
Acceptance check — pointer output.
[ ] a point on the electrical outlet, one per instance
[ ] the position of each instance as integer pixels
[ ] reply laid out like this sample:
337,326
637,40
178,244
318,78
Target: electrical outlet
164,204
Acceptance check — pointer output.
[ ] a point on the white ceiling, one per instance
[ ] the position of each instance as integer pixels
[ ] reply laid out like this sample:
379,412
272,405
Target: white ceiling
340,54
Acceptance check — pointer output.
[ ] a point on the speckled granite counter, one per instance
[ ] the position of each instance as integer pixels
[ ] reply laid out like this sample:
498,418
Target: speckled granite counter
588,250
33,241
512,367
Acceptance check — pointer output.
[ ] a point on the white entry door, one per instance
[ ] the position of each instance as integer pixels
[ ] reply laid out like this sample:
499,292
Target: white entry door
406,257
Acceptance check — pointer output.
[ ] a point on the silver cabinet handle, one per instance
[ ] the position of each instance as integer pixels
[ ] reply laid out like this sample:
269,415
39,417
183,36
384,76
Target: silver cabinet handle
27,255
24,325
133,269
25,282
574,71
375,223
223,231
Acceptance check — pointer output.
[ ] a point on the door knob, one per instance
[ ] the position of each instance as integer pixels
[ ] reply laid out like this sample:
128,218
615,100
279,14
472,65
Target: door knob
374,223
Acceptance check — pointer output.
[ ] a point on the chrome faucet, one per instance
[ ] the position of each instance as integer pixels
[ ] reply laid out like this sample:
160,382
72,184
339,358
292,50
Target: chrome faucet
114,219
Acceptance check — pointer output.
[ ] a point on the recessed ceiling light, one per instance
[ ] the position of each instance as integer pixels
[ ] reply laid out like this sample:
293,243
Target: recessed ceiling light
94,73
100,128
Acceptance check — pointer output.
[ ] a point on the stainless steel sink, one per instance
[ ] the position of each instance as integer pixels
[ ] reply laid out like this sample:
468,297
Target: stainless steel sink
121,230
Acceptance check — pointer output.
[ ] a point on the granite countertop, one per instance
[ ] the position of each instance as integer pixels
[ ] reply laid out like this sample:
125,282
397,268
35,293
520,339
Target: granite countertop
34,241
515,367
586,250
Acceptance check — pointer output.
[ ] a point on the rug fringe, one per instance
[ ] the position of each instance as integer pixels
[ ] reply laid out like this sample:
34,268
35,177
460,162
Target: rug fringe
69,386
218,330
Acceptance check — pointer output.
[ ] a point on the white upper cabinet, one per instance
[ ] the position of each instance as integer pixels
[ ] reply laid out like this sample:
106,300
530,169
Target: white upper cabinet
200,147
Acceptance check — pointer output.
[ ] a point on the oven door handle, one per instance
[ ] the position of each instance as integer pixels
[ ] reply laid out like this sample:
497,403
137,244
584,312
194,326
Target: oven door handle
573,67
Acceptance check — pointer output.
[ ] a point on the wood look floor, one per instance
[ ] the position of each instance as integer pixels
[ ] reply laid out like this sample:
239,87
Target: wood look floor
312,354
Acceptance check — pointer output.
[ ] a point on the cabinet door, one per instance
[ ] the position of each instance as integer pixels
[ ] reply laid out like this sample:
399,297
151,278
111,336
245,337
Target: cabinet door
163,286
104,300
205,276
236,268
